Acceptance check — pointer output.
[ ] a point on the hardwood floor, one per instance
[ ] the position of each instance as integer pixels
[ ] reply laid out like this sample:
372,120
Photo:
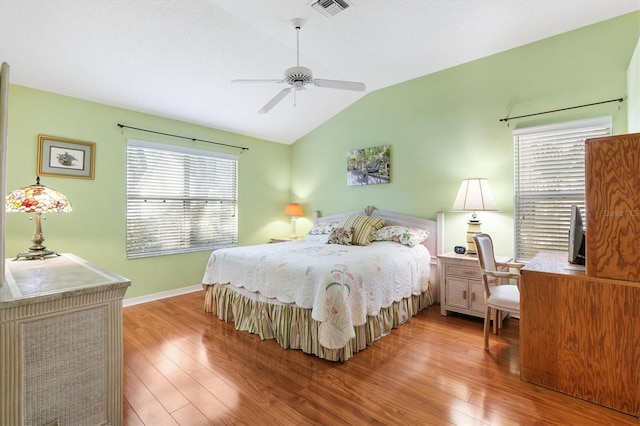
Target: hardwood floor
183,366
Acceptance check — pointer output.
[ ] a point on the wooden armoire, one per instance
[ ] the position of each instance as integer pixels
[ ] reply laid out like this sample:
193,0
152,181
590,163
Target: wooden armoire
580,331
612,172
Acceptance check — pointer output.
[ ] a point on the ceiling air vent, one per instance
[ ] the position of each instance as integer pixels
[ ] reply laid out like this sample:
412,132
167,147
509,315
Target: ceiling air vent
330,8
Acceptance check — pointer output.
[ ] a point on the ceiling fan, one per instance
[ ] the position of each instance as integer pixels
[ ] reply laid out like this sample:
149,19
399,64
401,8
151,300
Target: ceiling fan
297,77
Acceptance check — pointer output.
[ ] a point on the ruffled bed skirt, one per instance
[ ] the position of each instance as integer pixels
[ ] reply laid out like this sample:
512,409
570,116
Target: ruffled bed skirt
293,327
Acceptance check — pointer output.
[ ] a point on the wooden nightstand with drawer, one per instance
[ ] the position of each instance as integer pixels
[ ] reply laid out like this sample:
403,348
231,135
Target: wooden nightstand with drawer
461,286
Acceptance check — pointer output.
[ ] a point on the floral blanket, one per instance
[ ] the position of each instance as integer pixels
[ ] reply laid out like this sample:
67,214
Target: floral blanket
341,284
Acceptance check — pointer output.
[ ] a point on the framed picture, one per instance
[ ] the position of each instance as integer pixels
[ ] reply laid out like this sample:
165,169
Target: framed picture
369,166
65,157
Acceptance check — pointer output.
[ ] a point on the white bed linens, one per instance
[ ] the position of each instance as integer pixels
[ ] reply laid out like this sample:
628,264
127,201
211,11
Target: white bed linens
341,284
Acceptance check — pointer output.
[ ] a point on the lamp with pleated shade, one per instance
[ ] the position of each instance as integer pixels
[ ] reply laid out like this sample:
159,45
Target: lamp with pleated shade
474,196
37,199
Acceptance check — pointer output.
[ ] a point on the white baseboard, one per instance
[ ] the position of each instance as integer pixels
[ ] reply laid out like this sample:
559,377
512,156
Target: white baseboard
161,295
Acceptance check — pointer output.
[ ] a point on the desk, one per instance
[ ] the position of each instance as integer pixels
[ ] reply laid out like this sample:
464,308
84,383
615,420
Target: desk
580,335
60,343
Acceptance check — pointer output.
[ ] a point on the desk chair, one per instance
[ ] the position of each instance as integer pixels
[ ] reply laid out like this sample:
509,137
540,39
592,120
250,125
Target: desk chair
498,296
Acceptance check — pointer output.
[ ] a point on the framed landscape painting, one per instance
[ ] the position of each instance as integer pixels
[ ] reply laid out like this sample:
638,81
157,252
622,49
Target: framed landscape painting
369,166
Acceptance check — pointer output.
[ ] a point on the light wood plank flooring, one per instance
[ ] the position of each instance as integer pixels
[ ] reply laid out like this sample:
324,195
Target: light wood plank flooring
183,366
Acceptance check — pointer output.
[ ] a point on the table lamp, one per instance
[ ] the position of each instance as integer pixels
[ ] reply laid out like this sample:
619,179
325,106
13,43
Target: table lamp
37,199
294,210
474,195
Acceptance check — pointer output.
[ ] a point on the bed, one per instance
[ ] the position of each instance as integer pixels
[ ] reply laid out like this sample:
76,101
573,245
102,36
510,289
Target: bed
334,299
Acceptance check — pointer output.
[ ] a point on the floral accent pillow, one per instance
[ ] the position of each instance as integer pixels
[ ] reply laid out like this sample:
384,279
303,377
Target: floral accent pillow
407,235
341,236
364,227
323,228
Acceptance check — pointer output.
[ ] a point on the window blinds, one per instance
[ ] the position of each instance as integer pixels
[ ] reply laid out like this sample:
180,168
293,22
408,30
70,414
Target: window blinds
549,178
179,199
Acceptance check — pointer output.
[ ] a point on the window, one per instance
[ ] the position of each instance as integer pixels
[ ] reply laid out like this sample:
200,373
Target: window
549,178
179,200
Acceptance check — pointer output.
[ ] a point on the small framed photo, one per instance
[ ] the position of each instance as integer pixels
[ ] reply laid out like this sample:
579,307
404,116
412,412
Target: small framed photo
65,157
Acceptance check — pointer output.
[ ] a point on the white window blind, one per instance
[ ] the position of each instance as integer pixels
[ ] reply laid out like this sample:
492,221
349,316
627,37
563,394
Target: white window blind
179,199
549,178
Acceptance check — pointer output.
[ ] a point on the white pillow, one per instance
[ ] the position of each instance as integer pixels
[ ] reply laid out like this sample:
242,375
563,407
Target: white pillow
317,238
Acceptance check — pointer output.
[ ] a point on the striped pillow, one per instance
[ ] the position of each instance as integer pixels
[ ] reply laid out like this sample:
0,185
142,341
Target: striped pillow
364,228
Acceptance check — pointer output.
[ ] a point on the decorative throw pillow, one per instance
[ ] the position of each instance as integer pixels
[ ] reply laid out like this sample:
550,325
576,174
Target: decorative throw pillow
407,235
323,228
364,227
341,236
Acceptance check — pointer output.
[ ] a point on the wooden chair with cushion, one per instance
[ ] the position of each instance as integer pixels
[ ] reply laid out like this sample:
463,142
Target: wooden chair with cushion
500,296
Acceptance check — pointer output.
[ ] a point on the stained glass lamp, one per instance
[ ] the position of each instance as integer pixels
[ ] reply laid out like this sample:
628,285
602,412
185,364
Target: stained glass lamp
294,210
37,199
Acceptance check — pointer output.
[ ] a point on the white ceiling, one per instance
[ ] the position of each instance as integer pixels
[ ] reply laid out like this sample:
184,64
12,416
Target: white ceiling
176,58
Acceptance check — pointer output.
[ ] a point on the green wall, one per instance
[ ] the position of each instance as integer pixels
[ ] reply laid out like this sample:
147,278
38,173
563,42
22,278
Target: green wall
96,229
442,128
445,127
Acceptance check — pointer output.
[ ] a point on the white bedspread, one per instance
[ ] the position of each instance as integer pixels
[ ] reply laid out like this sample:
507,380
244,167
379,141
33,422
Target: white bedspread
341,284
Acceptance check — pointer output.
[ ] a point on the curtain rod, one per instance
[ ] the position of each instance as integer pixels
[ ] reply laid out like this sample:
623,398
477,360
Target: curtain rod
562,109
183,137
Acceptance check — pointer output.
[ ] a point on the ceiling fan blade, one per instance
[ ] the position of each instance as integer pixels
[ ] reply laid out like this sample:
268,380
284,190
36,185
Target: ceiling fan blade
258,81
273,102
339,84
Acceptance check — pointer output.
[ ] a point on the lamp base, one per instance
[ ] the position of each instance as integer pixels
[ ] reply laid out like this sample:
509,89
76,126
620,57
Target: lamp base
474,228
36,254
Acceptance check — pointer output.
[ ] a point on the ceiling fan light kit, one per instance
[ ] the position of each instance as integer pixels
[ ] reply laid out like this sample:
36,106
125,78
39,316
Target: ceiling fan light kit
297,77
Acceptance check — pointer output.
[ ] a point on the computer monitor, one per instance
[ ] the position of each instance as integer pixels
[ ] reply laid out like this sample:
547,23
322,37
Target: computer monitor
576,237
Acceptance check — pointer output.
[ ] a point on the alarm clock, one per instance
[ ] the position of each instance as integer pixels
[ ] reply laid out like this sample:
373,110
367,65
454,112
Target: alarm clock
459,249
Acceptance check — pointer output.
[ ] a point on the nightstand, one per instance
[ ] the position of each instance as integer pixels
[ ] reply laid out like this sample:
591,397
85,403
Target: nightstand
61,350
284,239
461,285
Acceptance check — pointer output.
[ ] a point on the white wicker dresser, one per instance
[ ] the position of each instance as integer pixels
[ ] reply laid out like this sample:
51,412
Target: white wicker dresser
60,343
